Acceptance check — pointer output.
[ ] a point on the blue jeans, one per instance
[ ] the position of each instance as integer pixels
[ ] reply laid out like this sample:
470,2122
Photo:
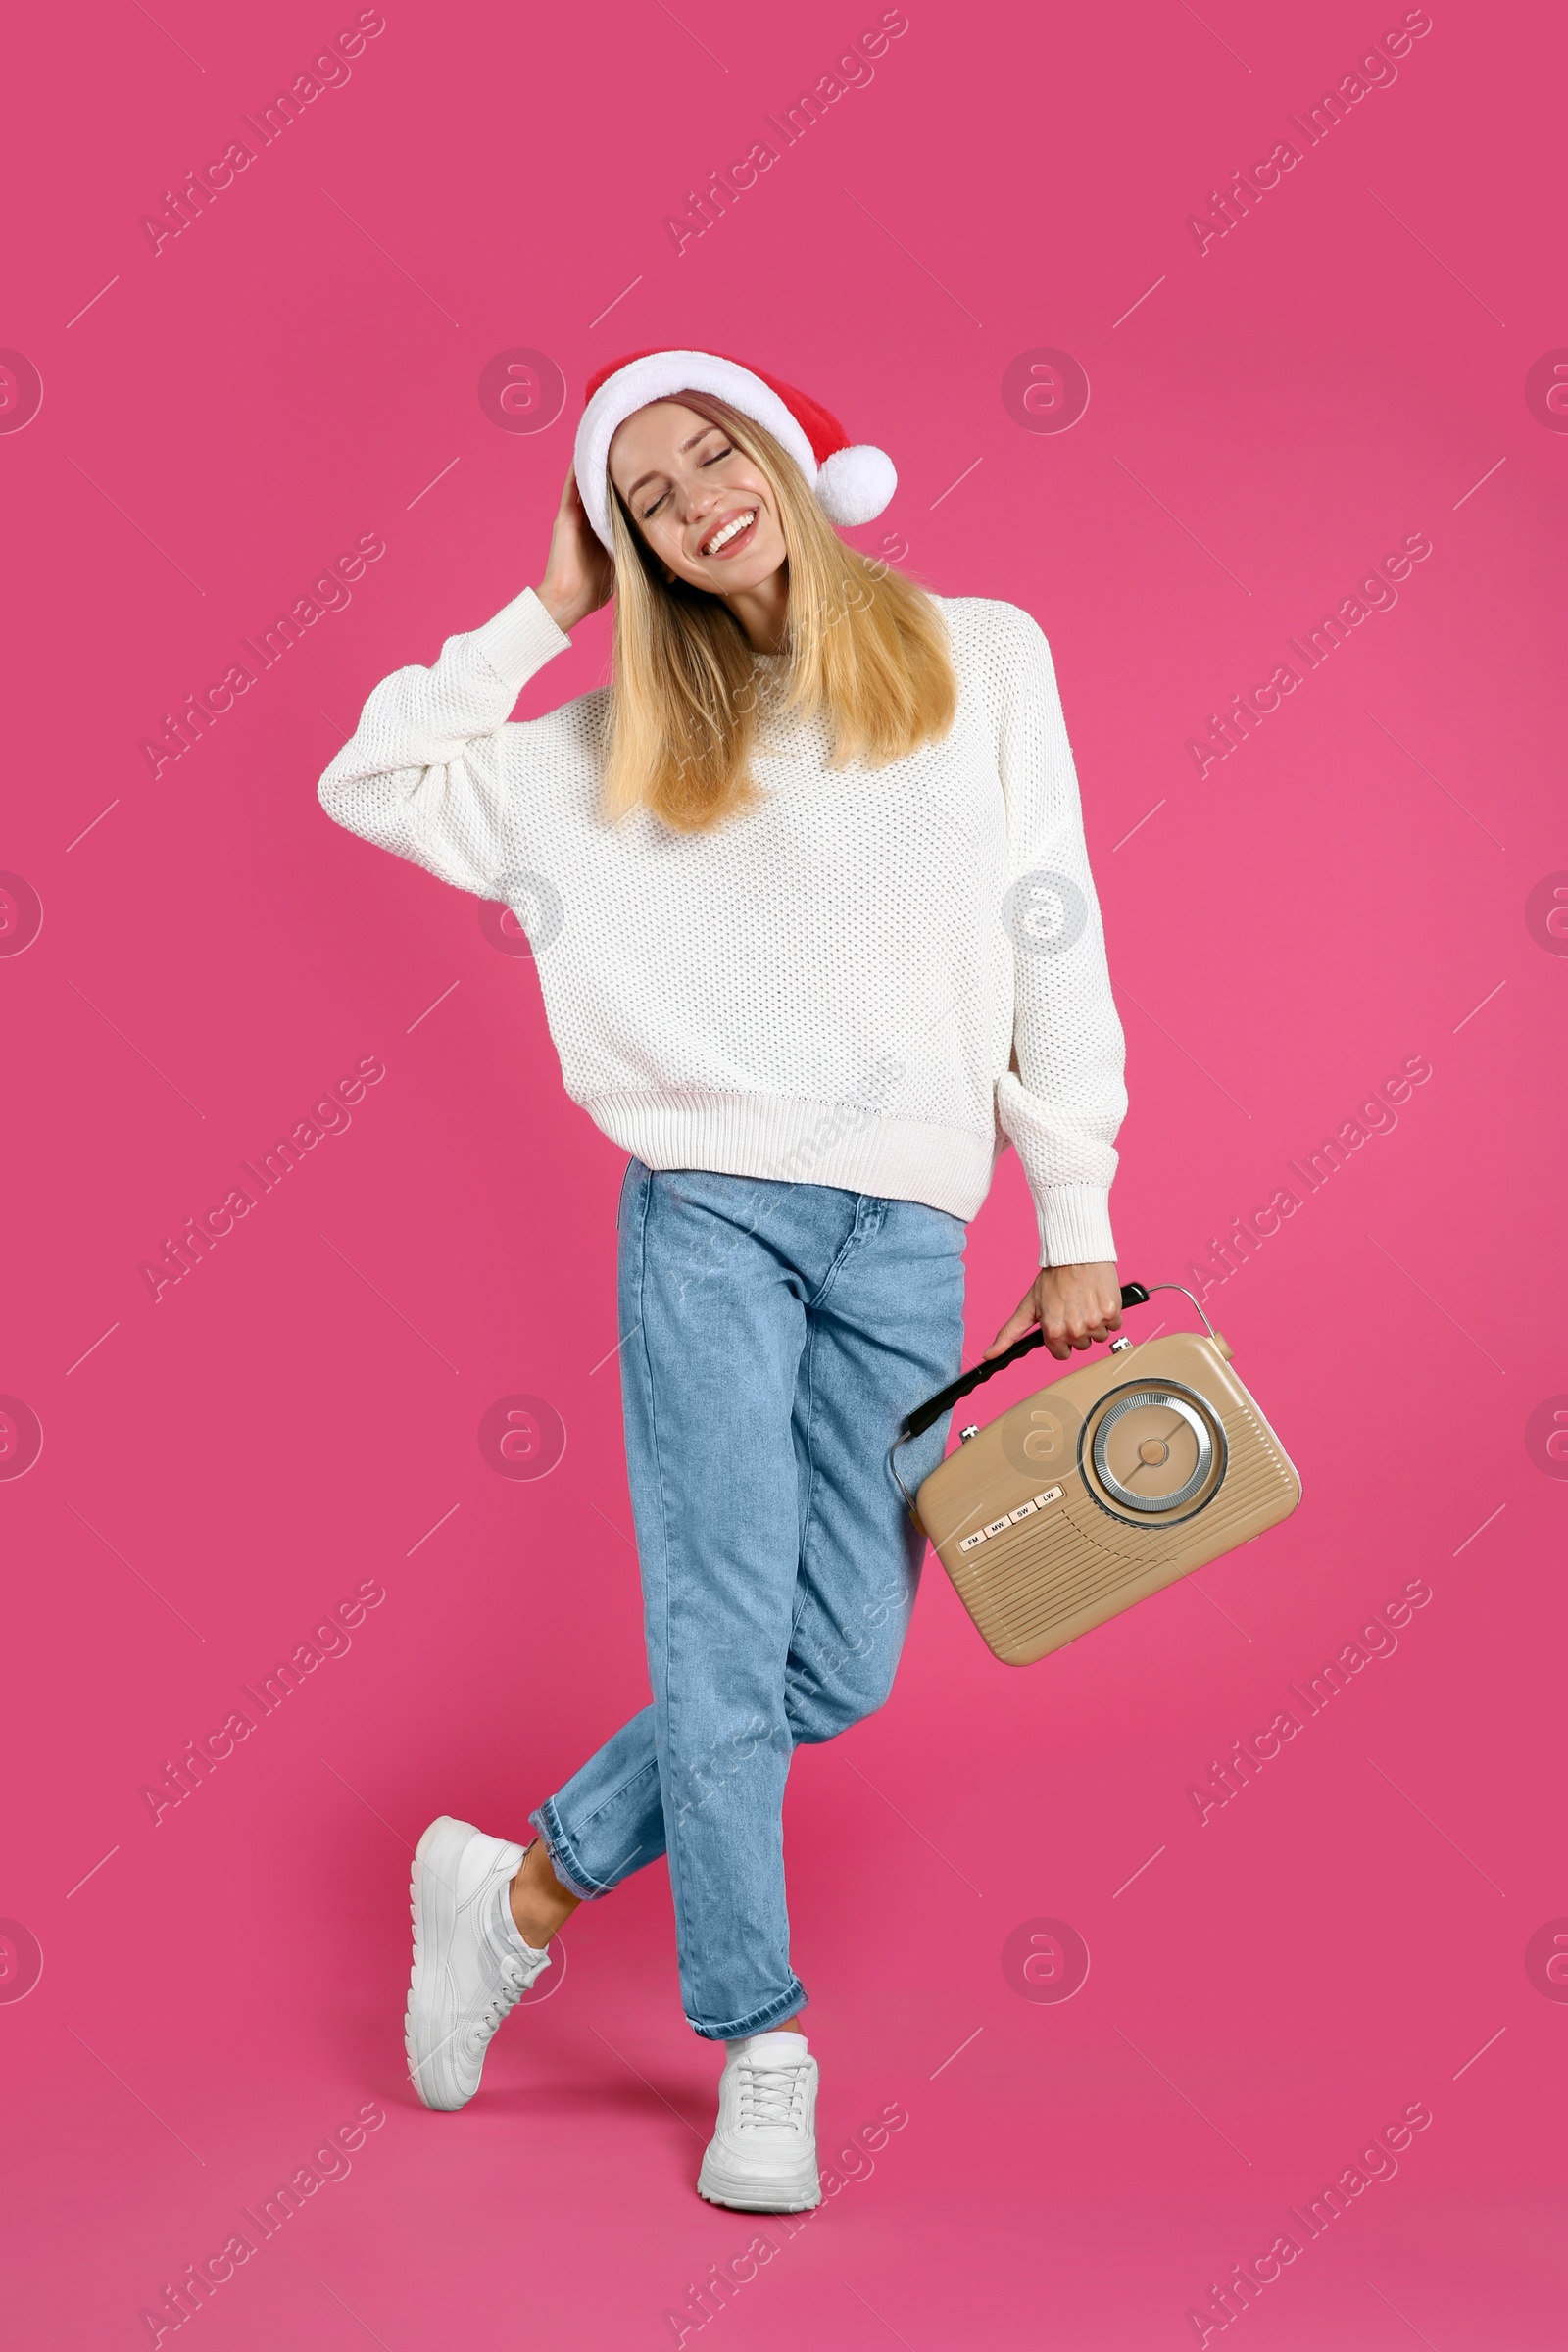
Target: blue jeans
775,1337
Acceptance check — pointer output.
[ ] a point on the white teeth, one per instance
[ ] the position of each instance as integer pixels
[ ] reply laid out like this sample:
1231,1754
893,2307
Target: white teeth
732,530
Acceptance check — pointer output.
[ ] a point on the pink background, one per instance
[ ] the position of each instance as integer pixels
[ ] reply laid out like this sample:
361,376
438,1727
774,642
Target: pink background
1350,888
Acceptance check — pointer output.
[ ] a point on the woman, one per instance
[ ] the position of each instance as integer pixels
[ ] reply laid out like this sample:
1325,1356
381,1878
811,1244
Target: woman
814,927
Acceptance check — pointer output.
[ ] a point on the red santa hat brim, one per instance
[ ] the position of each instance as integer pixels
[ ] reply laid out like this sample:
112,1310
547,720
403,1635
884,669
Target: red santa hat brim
852,484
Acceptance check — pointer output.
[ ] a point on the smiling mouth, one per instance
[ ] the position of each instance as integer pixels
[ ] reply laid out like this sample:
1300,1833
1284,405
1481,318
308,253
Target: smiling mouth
731,534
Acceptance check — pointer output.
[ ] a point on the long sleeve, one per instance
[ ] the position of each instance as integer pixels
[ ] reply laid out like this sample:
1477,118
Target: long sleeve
421,775
1063,1102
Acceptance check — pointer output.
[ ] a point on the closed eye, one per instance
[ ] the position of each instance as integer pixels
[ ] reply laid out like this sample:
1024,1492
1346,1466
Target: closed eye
650,512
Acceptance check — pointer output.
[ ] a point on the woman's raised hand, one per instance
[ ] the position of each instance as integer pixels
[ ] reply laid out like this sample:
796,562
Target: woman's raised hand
579,575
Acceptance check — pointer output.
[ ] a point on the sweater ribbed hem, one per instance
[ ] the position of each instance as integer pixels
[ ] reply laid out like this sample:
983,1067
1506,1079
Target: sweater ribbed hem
1074,1222
519,640
792,1140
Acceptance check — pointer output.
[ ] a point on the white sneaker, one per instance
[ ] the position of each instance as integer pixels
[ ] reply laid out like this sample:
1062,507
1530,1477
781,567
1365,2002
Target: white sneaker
469,1963
762,2155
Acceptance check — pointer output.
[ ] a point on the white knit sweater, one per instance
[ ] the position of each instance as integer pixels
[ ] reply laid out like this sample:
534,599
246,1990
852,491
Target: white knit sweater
876,979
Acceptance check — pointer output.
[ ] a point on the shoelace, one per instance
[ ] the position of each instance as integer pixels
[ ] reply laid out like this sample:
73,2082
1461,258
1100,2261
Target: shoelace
768,2094
512,1984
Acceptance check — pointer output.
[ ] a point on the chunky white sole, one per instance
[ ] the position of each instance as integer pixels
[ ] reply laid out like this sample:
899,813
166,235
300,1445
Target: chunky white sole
792,2192
433,1910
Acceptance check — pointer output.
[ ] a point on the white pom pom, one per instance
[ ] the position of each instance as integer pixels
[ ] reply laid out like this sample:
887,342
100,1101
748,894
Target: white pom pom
853,485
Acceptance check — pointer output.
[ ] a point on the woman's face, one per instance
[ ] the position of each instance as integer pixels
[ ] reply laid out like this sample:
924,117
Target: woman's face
704,510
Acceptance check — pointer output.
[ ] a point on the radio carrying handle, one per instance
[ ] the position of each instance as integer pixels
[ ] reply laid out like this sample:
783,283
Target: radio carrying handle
1132,1294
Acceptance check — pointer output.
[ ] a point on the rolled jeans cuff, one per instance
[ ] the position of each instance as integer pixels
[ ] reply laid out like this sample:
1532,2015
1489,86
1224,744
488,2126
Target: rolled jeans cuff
564,1860
760,2020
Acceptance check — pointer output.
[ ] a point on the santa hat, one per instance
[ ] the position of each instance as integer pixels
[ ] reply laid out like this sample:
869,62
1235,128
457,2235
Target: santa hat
851,483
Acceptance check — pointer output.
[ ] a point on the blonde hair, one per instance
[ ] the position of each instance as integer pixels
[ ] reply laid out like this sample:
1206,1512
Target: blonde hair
865,648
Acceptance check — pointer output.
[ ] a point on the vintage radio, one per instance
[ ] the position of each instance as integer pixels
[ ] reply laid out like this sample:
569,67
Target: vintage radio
1110,1484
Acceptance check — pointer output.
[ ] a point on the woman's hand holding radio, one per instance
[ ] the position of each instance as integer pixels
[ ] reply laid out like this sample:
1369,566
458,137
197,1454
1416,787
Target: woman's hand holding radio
1074,1305
579,575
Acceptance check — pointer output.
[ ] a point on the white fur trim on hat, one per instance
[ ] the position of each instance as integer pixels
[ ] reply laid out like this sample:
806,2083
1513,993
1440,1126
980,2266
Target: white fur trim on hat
851,485
855,485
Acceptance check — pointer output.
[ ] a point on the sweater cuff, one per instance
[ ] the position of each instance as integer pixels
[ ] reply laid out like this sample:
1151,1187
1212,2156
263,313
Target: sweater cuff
520,639
1074,1222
